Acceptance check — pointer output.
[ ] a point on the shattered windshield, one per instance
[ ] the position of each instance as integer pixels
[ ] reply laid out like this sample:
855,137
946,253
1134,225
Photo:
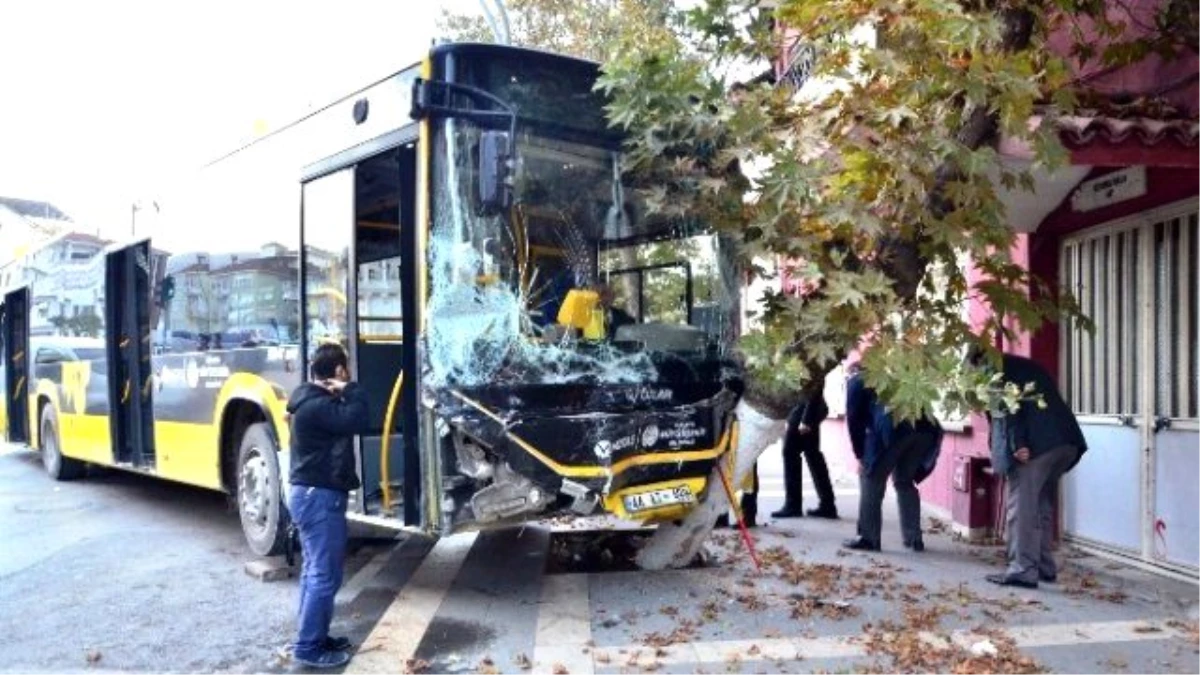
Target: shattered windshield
576,282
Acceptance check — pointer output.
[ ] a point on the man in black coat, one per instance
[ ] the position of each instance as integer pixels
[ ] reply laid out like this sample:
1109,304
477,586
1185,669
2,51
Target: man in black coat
1032,448
325,416
802,437
907,452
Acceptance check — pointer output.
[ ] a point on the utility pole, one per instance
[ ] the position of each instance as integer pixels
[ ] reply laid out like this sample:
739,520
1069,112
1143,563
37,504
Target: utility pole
134,207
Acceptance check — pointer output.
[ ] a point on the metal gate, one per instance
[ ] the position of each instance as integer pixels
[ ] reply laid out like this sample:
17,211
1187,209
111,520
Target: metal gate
1132,381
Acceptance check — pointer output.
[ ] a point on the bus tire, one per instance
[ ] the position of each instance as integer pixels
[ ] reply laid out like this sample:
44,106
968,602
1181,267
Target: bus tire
57,466
260,491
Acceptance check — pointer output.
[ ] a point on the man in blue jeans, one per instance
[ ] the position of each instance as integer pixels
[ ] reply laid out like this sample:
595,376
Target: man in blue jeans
325,416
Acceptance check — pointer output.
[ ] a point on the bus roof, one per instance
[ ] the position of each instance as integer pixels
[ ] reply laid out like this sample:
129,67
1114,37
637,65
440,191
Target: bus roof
312,113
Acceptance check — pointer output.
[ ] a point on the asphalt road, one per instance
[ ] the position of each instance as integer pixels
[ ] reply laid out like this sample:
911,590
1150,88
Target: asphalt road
123,572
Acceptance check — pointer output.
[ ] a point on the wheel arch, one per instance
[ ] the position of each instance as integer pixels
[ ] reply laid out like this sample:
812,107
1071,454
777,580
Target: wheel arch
44,395
245,399
236,416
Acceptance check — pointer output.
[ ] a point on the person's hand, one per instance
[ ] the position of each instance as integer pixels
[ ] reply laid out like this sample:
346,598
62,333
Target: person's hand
1021,455
803,428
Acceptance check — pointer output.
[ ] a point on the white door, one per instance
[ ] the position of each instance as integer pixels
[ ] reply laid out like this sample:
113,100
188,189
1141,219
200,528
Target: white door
1132,381
1102,496
1173,529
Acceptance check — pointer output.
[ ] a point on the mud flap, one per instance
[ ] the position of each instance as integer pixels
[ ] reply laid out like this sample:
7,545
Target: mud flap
676,545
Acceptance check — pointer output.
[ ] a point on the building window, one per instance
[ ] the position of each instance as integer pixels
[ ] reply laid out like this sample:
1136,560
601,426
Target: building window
1103,366
1175,347
1116,273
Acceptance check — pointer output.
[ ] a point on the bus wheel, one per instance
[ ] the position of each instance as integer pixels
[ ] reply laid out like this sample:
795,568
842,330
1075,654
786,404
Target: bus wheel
59,467
260,492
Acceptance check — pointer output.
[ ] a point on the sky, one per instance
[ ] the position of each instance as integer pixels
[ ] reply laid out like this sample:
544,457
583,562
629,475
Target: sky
103,102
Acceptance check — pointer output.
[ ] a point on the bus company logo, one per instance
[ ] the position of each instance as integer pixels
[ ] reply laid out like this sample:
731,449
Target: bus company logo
684,433
649,435
650,395
604,449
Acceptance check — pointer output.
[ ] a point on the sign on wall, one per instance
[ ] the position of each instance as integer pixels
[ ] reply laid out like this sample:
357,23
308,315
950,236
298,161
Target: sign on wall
1109,189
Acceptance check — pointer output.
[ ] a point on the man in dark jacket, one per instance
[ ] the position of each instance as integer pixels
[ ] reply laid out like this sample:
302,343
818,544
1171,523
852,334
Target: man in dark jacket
325,416
907,452
1032,448
803,437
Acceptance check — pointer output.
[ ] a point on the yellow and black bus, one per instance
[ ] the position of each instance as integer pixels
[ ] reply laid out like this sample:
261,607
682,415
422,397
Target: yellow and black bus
534,340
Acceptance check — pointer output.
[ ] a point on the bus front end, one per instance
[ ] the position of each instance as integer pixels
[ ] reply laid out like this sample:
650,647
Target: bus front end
577,348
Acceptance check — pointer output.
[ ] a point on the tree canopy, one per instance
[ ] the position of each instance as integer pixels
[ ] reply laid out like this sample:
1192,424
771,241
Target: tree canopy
873,173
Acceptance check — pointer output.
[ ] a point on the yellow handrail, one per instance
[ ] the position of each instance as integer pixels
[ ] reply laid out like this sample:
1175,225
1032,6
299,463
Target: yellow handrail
386,442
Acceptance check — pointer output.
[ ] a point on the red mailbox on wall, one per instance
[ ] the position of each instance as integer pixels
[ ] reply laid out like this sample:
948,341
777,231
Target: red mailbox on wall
973,500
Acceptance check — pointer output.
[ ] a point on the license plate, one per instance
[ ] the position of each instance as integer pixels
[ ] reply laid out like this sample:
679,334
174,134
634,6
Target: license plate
644,501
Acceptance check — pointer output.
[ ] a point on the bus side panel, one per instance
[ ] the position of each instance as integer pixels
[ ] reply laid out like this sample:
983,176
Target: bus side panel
192,392
77,391
188,452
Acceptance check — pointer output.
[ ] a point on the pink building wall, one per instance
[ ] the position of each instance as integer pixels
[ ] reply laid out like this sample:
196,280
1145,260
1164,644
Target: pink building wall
1040,253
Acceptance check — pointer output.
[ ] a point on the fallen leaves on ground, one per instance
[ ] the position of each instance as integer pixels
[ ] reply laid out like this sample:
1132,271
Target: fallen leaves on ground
921,647
805,606
1190,628
685,631
416,666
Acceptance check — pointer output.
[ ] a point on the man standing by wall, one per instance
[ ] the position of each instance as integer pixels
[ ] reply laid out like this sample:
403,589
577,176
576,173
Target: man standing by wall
325,415
1032,448
802,437
907,452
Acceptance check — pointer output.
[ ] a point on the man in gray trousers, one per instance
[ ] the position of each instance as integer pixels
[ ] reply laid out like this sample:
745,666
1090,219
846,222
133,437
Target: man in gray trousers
907,452
1032,448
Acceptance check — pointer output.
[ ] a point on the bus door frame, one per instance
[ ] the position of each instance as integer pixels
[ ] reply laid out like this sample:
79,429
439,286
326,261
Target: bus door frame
415,517
127,342
641,284
15,326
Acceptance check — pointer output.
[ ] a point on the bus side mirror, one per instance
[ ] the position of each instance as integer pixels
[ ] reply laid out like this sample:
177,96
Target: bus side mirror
495,172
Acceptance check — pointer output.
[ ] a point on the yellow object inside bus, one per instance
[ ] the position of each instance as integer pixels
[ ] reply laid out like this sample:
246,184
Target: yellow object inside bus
581,310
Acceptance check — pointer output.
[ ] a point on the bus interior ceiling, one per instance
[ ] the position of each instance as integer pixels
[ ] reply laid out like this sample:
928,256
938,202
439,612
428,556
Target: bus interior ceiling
385,188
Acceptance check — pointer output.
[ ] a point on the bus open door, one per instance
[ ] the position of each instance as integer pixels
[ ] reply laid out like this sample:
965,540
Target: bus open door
16,365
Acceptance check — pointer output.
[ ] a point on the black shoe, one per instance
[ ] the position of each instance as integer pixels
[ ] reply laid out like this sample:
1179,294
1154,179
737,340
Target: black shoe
917,545
829,512
323,660
860,544
336,644
723,522
788,512
1010,580
1048,578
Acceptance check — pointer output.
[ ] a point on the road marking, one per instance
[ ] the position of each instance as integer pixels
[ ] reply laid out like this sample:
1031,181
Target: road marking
564,626
364,576
394,639
845,646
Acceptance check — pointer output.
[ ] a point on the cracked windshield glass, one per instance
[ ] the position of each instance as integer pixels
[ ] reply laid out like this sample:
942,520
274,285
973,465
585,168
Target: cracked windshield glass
576,282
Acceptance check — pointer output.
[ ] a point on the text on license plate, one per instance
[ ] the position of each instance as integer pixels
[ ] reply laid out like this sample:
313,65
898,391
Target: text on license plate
653,499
